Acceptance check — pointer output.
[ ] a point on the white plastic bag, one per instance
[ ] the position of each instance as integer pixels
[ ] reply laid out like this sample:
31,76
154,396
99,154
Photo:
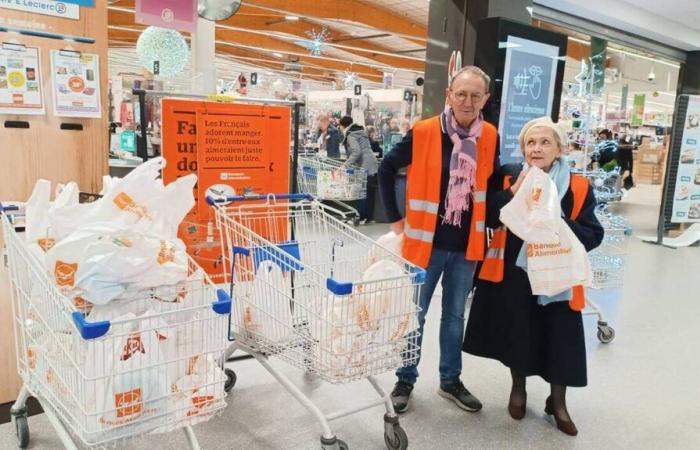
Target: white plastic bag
389,241
533,213
553,268
269,314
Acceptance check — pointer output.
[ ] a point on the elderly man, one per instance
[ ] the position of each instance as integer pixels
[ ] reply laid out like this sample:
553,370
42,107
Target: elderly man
450,158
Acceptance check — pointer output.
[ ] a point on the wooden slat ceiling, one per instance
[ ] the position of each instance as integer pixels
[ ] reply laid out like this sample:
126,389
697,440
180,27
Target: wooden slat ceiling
362,38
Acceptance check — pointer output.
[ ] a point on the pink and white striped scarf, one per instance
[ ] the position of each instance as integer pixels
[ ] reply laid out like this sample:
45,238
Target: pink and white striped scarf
462,166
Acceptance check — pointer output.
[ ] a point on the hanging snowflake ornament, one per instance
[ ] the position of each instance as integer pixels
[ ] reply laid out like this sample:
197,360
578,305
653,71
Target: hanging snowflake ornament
350,79
165,46
317,41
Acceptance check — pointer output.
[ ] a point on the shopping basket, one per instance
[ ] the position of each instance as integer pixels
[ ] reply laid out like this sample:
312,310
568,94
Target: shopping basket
328,179
94,377
320,296
608,263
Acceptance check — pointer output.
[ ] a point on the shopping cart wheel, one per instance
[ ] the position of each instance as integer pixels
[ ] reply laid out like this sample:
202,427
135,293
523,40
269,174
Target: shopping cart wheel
333,444
605,334
231,379
21,429
396,439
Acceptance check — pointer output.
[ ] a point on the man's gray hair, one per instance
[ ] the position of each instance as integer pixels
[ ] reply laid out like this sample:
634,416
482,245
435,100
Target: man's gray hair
473,70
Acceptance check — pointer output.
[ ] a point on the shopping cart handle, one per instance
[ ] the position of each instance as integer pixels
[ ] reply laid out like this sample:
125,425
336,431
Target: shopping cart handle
223,304
90,330
8,208
239,198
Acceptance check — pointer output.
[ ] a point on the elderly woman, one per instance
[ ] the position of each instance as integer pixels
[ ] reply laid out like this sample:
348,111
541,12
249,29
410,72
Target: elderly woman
533,335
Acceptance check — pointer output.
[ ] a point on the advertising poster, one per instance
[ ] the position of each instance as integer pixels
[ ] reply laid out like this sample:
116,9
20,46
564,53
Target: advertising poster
180,149
76,84
638,110
686,199
528,90
20,80
179,15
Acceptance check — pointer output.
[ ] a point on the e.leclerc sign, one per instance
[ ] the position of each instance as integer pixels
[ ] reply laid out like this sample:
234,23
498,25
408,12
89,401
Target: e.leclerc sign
46,7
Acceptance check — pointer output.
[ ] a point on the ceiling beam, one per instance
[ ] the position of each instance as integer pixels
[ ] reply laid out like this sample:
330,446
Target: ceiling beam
247,20
351,10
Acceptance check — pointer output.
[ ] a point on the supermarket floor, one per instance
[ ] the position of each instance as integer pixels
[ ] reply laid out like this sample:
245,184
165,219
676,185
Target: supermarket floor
643,393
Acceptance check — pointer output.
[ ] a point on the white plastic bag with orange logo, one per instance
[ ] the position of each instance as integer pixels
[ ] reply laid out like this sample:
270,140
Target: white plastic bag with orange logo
534,212
100,263
555,267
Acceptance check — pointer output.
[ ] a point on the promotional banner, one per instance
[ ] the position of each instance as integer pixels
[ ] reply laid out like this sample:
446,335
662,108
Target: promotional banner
528,90
243,150
75,78
686,199
176,14
20,80
241,154
638,110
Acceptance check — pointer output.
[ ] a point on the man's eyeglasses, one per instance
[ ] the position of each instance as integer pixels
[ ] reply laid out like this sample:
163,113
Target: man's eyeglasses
462,96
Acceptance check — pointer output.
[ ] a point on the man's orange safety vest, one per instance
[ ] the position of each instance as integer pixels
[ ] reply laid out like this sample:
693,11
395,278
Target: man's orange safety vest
494,264
423,191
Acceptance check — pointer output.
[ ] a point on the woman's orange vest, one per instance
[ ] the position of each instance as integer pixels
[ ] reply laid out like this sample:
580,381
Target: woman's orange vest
494,264
423,191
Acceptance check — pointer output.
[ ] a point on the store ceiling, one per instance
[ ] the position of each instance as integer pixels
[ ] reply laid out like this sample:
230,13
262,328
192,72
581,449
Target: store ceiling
364,37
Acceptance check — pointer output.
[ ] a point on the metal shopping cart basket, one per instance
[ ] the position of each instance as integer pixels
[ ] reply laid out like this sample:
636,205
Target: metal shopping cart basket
328,180
607,186
304,293
607,264
94,377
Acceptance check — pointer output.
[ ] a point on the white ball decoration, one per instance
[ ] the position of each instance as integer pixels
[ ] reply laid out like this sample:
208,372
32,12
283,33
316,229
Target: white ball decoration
164,45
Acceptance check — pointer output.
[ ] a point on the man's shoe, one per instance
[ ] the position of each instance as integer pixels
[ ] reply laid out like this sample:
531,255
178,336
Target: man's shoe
461,396
400,396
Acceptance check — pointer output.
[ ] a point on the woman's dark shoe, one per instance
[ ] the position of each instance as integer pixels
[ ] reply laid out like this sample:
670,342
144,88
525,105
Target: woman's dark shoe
517,412
565,426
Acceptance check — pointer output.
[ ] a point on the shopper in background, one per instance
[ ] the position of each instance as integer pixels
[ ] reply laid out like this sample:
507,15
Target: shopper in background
625,159
533,335
450,158
405,126
376,148
359,151
394,126
328,137
606,148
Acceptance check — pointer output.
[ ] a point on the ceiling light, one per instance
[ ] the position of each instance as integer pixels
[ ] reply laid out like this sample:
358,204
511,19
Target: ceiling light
291,18
277,55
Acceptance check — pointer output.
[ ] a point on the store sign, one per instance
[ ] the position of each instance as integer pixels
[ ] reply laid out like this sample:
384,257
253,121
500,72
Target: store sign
686,198
45,7
638,110
528,90
179,15
88,3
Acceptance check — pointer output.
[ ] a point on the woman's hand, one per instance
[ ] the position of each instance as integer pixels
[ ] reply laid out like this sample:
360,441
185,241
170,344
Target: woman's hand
397,227
519,182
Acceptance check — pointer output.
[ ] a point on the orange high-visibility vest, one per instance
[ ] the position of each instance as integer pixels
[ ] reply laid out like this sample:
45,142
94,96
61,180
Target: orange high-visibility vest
423,191
494,264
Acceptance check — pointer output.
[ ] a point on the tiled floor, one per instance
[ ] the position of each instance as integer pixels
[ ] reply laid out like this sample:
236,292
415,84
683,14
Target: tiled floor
643,393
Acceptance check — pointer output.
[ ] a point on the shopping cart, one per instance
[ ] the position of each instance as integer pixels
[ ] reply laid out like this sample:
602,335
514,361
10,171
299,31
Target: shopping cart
607,186
328,180
607,264
304,295
94,377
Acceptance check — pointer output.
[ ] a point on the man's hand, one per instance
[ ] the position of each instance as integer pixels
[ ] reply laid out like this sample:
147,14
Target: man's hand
519,182
397,227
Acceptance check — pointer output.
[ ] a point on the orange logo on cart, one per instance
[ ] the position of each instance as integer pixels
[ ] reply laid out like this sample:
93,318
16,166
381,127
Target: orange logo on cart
199,403
128,403
166,253
126,203
82,304
191,364
76,84
133,345
65,273
46,244
31,358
